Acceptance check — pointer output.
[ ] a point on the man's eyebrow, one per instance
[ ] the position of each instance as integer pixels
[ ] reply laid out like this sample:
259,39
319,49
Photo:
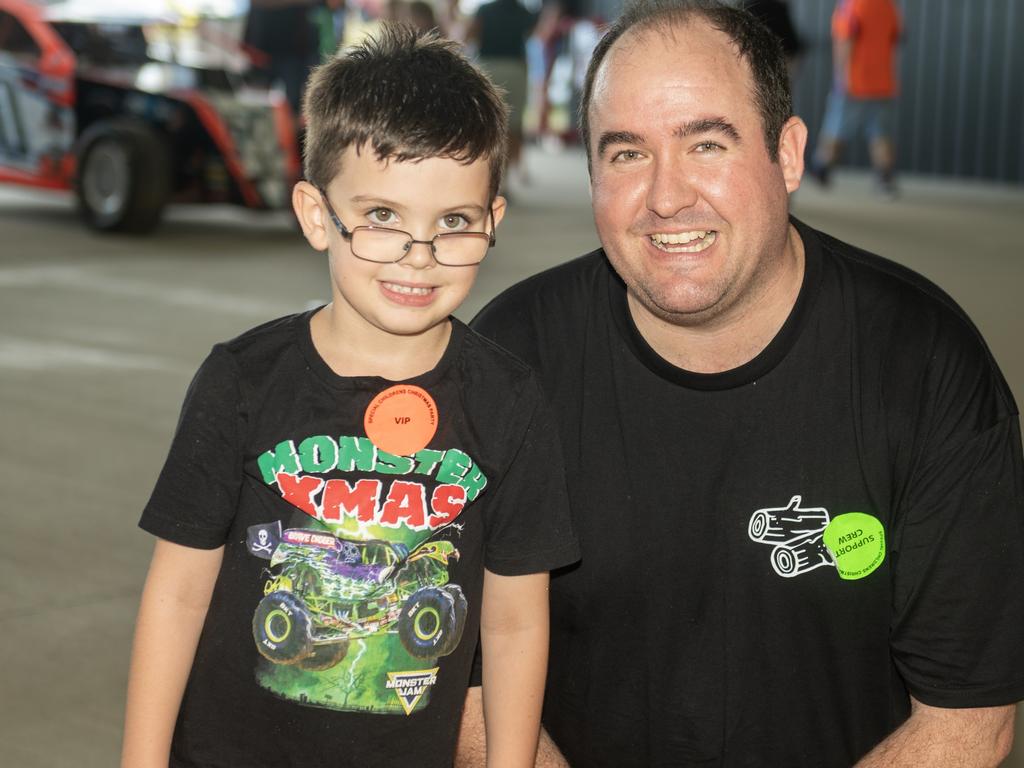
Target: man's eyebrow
708,125
617,137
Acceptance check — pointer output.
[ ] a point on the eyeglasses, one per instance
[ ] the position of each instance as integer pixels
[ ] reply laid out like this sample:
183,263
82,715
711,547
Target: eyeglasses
386,246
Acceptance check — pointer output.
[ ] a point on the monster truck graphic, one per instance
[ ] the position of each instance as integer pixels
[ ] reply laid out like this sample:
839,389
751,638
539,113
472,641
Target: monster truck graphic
325,591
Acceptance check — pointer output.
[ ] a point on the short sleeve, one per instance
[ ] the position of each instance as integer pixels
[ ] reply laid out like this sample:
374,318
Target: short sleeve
844,20
196,493
958,625
526,519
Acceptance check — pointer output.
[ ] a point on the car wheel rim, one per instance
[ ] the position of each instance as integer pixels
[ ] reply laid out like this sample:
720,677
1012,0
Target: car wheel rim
106,178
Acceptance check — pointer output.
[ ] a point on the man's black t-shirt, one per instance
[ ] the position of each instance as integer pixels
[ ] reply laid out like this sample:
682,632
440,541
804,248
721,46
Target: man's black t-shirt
774,556
344,618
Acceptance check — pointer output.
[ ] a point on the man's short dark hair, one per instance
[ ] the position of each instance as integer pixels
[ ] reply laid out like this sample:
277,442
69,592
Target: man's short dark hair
408,96
755,44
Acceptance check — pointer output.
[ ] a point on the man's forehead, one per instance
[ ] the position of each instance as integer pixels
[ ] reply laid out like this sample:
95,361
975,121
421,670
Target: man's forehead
686,67
690,37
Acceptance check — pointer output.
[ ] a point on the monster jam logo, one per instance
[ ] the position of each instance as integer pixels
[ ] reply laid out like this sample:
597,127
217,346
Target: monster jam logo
409,686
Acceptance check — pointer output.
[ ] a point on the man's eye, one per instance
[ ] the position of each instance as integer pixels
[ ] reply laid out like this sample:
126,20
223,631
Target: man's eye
709,146
454,221
625,156
382,216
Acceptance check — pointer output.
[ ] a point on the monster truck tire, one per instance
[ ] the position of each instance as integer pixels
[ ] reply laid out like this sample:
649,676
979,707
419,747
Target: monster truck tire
281,627
461,609
123,179
427,622
325,656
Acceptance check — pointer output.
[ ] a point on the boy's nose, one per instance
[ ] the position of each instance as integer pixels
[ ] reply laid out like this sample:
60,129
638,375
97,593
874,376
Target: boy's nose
419,257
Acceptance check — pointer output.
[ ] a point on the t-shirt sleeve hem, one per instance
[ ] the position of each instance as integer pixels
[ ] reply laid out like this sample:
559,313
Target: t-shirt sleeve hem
178,532
968,697
537,562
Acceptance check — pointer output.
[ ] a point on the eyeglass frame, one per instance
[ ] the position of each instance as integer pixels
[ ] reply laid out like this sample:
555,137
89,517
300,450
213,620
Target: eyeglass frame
347,234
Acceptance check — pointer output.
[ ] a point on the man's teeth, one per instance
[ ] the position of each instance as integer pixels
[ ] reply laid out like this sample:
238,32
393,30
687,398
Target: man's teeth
701,239
410,290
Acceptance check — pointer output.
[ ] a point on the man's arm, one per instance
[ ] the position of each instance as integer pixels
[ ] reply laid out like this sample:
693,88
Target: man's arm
171,615
514,642
938,737
472,748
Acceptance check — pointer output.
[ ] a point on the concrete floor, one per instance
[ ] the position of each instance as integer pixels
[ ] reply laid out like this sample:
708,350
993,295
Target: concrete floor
99,337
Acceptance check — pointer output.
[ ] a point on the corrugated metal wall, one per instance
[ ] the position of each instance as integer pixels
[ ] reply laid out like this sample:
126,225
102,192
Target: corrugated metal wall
961,108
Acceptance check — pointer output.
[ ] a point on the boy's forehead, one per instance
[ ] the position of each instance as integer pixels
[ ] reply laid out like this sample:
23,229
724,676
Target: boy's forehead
364,171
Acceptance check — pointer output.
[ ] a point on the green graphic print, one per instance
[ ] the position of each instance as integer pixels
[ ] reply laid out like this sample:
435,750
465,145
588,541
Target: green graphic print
358,606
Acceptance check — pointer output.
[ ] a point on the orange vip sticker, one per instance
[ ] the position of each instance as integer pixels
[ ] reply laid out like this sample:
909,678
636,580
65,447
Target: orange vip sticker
401,419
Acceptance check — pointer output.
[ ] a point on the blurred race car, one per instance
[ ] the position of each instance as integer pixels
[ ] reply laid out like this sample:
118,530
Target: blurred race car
112,107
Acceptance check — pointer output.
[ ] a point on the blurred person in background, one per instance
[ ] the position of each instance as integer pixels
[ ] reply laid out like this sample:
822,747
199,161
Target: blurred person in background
454,21
283,32
499,32
865,35
421,15
794,468
329,21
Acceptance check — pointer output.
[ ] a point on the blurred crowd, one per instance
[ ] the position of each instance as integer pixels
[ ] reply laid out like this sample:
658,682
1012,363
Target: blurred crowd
536,51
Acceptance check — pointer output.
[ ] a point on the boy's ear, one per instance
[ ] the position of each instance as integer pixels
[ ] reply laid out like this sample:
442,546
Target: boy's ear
498,209
792,142
309,211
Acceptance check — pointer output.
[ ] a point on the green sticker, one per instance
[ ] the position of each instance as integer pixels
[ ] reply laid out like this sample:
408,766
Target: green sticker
856,542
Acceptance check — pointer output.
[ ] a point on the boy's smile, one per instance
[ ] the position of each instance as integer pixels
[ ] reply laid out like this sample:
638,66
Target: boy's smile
382,222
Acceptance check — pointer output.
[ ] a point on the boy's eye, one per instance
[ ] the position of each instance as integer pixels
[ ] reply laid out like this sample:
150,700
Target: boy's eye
454,221
382,216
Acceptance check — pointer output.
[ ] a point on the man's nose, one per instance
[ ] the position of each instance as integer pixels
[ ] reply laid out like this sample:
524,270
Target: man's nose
671,189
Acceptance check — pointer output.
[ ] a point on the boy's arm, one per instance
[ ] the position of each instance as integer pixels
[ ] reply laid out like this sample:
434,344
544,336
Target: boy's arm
514,639
472,748
171,615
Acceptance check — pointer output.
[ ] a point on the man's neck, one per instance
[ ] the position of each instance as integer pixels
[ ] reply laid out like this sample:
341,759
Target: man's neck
737,337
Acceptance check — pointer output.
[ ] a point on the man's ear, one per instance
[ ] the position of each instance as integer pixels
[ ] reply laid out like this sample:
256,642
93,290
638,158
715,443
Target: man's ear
792,142
309,210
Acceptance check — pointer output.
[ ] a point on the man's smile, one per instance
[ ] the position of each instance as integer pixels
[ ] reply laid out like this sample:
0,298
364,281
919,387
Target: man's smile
684,242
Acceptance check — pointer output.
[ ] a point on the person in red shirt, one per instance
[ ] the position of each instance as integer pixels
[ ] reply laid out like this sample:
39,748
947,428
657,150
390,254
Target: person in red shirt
865,34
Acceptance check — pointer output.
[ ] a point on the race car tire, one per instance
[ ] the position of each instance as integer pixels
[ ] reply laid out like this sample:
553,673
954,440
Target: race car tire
282,628
426,623
325,656
124,176
461,610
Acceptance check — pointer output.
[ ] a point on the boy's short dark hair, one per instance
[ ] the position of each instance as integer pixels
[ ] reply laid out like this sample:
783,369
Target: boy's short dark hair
755,44
409,96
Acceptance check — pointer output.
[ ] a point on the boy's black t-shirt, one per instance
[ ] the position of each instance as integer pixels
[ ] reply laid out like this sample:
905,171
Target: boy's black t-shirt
774,556
344,618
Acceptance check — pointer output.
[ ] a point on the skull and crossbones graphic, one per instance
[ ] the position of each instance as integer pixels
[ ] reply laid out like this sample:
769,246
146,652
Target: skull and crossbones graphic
263,544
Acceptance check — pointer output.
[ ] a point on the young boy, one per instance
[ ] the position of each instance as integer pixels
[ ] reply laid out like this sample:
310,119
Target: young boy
353,492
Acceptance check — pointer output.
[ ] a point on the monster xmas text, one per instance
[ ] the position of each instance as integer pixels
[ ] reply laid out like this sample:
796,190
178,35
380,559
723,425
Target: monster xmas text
403,503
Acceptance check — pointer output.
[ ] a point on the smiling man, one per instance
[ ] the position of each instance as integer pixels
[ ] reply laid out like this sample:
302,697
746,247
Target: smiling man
794,467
